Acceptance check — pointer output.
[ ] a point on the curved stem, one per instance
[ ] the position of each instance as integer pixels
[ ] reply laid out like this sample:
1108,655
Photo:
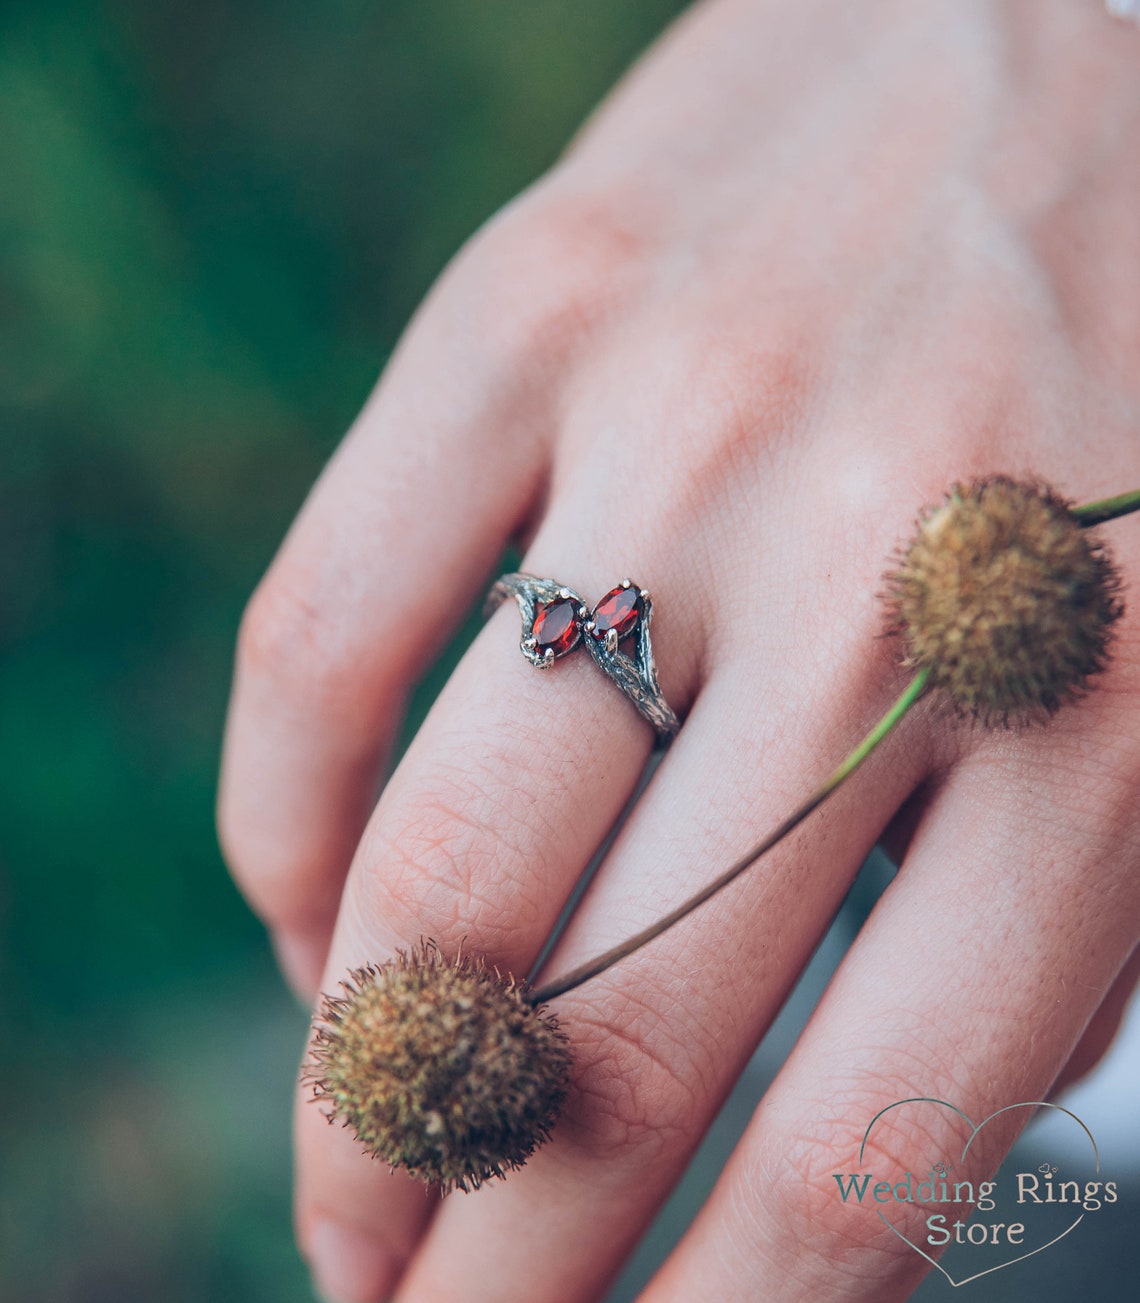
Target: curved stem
1088,514
1096,513
593,967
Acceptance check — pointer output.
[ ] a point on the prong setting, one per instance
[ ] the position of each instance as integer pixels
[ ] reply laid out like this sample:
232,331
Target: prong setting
556,620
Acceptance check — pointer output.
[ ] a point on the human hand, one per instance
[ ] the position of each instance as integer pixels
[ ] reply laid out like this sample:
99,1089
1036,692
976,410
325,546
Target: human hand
809,266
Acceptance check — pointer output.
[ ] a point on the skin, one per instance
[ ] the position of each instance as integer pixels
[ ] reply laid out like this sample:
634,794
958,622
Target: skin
809,265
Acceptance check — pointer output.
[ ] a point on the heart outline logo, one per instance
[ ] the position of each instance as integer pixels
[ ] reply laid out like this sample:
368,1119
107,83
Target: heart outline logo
975,1128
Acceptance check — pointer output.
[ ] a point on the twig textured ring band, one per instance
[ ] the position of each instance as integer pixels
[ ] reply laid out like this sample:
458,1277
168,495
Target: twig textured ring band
556,620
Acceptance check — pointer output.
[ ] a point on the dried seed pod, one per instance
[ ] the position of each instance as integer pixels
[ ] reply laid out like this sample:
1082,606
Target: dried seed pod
1007,600
442,1067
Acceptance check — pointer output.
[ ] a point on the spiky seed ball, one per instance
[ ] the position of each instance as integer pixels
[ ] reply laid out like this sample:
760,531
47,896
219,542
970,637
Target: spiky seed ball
440,1066
1006,598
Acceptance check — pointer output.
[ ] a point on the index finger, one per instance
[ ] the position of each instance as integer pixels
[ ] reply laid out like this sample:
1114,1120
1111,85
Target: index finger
398,536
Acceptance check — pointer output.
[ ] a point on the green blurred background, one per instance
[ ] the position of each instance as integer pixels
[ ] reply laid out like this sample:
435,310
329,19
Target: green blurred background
214,221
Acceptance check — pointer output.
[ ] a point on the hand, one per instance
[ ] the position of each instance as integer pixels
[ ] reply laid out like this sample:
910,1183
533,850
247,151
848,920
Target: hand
811,264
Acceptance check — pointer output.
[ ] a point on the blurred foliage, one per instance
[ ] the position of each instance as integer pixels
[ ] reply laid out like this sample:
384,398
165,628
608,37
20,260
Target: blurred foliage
214,221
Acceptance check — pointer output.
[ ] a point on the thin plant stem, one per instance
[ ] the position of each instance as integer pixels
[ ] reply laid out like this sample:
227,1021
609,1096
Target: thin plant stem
1096,513
596,861
593,967
1088,514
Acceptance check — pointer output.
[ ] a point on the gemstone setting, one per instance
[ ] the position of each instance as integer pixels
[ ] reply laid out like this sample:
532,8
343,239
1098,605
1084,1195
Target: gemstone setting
615,617
556,620
556,626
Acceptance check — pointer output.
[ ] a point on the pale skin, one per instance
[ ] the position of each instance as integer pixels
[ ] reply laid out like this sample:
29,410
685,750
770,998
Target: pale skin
810,264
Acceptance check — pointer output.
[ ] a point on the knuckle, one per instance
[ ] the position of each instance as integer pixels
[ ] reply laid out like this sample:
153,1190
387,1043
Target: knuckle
549,269
730,409
276,887
290,636
637,1094
237,851
794,1190
874,1124
738,396
859,481
757,392
456,861
279,900
831,1239
244,852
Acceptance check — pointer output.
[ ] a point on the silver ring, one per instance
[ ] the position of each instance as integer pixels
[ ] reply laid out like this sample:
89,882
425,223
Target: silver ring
556,620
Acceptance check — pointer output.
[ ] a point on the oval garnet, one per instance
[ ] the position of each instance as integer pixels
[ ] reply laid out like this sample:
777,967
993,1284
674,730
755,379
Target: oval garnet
556,625
620,610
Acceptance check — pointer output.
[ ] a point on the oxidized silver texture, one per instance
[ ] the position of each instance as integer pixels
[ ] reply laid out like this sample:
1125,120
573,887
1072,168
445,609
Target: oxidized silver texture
636,676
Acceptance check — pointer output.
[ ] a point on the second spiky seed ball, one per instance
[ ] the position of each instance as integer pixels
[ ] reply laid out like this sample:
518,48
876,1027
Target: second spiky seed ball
1006,599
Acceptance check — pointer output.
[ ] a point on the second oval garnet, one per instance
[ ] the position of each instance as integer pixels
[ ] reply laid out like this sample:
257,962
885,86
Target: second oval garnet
620,610
556,625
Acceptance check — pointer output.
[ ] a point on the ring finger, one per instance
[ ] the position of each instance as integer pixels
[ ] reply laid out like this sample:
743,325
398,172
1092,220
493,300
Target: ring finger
660,1039
511,783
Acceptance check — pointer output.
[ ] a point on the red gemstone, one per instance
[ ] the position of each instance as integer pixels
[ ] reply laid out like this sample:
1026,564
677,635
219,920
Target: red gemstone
556,625
620,610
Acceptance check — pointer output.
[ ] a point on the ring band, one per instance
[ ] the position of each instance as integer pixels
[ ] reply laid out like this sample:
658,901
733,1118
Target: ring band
556,620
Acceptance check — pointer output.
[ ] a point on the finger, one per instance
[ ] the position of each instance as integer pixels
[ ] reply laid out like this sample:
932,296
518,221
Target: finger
397,538
659,1039
511,783
1098,1036
972,982
357,1245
